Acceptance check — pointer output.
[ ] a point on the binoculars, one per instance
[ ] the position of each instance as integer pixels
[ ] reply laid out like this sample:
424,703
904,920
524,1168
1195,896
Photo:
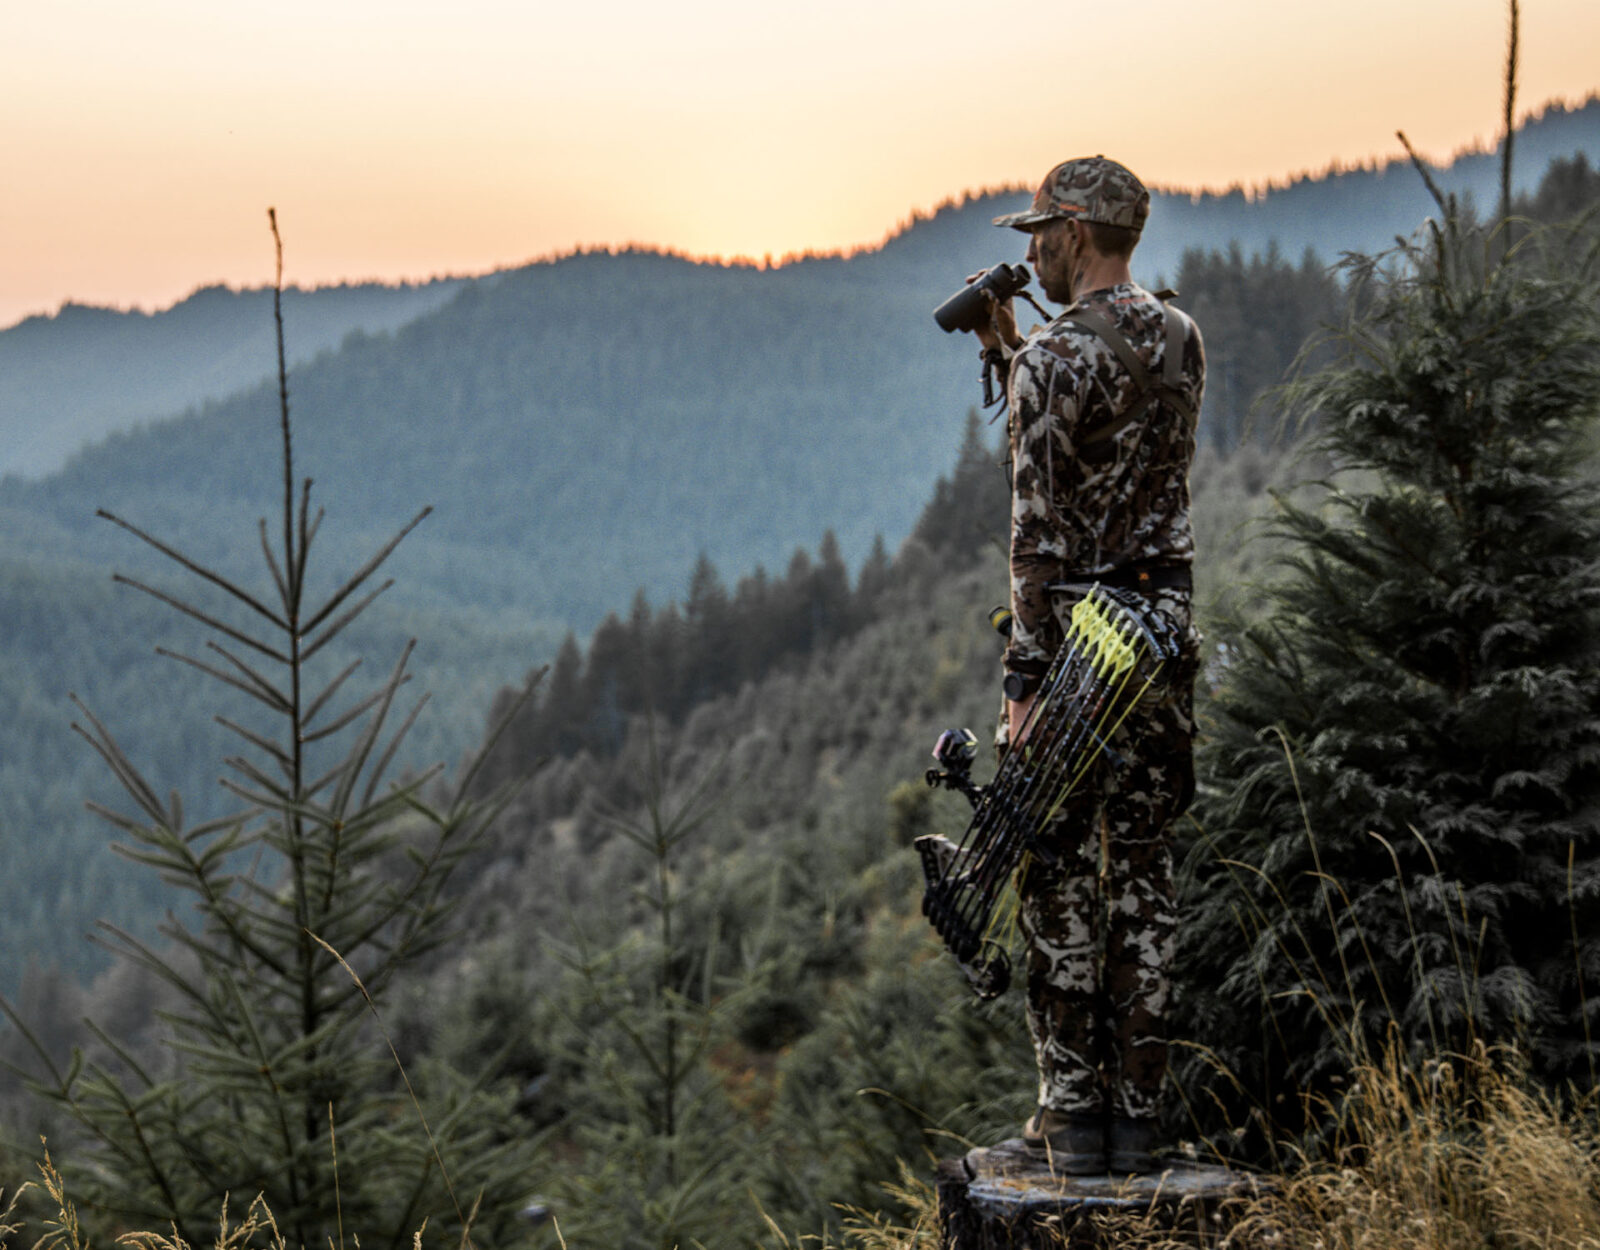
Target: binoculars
965,309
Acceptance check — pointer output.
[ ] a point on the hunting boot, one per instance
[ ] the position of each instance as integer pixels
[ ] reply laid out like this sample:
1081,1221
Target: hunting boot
1075,1144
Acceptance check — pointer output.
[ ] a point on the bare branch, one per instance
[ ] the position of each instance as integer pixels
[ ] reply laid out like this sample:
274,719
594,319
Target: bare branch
229,630
106,746
364,572
363,747
227,679
269,692
1510,118
387,757
239,764
256,740
481,758
328,692
291,563
333,630
1427,178
273,566
199,570
349,714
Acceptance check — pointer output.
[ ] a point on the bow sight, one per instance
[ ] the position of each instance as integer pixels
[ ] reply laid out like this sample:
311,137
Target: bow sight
1117,647
955,751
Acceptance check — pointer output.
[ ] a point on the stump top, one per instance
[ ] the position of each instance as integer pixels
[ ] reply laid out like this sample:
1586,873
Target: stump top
1013,1176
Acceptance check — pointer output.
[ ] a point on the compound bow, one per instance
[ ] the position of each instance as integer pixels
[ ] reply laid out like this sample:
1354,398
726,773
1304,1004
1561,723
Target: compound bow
1115,650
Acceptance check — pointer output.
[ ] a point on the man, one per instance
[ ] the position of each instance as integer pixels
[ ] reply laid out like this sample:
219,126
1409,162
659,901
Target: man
1102,407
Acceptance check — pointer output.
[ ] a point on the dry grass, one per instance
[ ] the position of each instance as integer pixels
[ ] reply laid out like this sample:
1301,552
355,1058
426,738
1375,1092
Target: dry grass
873,1230
10,1225
1461,1153
258,1228
62,1230
917,1228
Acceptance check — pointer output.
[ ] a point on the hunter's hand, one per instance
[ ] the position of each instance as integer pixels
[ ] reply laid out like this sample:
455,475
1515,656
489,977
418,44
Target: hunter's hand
1000,330
1017,718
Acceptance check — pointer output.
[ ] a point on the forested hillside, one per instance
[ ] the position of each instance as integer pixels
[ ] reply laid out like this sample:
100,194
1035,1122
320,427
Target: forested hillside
786,1039
1412,704
594,425
465,596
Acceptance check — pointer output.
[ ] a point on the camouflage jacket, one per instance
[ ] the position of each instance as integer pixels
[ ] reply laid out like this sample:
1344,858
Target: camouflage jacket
1082,507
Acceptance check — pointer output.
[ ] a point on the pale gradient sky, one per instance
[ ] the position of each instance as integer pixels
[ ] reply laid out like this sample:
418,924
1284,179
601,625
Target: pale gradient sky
143,141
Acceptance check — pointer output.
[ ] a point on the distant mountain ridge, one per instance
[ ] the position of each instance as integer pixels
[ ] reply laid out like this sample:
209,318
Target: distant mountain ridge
83,373
1343,209
76,376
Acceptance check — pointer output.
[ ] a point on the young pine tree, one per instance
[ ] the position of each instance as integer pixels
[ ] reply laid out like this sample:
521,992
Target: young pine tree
1401,777
272,1077
655,1156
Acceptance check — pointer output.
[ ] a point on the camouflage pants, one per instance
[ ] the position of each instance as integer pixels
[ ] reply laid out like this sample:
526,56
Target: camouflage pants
1099,921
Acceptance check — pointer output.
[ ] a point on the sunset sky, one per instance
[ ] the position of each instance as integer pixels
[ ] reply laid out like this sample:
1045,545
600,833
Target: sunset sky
143,142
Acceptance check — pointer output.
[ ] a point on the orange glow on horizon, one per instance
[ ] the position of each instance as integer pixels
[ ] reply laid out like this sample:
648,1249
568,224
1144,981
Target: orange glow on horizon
399,141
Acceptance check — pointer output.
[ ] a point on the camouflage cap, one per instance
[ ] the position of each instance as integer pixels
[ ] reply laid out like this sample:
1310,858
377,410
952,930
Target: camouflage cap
1091,188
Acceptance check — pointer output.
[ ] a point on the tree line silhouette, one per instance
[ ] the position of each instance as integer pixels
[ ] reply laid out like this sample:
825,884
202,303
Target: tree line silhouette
666,661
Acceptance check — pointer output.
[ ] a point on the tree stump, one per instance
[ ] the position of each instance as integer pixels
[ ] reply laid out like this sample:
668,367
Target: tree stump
1007,1198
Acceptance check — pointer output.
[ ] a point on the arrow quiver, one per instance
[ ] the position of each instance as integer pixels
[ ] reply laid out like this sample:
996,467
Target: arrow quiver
1117,647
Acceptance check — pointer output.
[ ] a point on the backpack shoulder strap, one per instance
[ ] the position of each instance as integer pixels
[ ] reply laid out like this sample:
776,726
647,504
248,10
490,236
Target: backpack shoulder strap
1116,340
1172,366
1168,389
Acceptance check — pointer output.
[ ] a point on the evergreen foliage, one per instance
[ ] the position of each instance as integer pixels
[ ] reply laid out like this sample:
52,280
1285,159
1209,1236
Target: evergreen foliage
970,509
1257,316
669,1156
1570,187
797,1014
821,1032
1400,777
302,909
843,1039
831,1036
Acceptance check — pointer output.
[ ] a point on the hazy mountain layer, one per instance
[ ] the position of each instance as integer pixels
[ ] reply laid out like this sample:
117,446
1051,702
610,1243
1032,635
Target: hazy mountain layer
590,425
86,372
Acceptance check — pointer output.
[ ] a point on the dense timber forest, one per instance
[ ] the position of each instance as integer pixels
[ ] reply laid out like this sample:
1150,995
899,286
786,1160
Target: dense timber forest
707,573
